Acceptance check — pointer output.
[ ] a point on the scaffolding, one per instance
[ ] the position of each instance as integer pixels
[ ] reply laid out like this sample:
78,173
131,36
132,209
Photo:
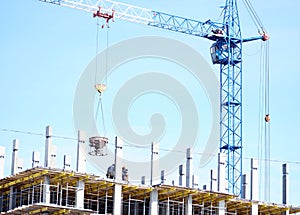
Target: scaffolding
56,191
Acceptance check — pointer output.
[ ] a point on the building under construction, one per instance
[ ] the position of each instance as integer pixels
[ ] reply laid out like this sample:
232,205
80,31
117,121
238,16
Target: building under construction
49,190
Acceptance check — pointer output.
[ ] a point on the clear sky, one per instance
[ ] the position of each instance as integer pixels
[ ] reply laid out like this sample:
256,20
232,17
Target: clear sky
45,49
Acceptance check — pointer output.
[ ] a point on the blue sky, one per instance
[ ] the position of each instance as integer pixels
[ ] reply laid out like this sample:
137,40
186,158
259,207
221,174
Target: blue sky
45,49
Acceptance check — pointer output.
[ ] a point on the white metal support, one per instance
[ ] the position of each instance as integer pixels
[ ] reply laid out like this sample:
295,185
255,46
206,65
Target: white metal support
81,157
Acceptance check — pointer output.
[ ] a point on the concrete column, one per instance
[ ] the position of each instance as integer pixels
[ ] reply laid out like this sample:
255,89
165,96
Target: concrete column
221,208
118,177
195,181
67,162
2,157
46,190
118,158
143,180
35,159
153,202
12,198
48,146
81,158
154,176
79,200
285,186
213,181
254,208
244,186
254,180
189,205
189,168
20,165
14,162
117,199
222,185
162,177
53,156
181,174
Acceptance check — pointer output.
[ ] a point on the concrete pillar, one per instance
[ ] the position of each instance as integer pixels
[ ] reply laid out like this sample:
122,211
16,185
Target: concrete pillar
189,168
12,198
118,158
14,170
162,177
79,200
35,159
222,185
195,181
20,165
2,158
153,202
244,186
53,156
154,163
189,205
181,174
46,190
117,199
254,180
118,177
213,181
48,146
285,186
254,208
81,158
222,208
14,162
67,162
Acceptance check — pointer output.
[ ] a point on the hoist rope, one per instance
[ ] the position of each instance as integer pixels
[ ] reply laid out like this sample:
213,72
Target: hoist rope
267,124
103,81
264,125
254,16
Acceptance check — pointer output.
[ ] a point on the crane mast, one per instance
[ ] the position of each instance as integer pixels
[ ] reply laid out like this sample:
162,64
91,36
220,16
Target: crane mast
225,51
231,96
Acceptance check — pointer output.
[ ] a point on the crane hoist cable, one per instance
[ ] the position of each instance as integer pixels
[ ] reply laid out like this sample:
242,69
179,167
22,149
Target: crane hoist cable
103,85
264,119
255,18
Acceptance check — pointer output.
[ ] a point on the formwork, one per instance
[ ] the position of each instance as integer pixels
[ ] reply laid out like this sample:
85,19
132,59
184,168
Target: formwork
42,190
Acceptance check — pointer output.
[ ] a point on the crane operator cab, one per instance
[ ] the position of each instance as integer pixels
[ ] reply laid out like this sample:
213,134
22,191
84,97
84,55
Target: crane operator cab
216,53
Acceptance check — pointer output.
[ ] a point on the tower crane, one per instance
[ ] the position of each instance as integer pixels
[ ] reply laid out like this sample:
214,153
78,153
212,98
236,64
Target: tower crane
226,51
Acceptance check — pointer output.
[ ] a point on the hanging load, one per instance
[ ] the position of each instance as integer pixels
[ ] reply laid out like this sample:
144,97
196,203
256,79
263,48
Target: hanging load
98,146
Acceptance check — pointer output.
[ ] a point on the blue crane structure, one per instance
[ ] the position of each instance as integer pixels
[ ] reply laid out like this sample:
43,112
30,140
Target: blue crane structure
225,51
